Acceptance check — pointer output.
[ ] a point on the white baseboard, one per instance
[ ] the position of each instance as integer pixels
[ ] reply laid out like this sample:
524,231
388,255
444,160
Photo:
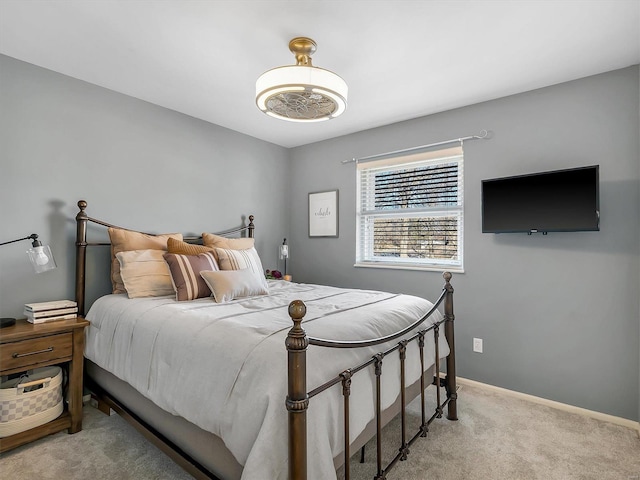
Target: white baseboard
624,422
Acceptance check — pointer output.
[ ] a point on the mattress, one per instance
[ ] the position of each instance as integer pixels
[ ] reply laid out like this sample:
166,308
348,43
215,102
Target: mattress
222,367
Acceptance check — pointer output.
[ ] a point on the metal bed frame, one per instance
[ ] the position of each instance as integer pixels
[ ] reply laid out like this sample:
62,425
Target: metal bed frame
298,398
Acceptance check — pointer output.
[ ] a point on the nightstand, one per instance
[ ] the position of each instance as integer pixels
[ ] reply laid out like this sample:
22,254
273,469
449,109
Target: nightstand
25,346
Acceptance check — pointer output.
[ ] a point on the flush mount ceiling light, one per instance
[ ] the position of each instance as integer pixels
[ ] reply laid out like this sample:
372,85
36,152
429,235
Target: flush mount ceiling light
301,92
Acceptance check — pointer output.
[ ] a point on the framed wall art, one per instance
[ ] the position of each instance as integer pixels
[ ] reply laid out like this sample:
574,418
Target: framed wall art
323,214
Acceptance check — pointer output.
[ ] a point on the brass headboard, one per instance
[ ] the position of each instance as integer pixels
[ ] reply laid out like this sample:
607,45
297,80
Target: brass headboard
82,219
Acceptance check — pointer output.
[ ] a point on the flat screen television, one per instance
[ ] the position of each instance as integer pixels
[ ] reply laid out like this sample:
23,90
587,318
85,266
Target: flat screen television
557,201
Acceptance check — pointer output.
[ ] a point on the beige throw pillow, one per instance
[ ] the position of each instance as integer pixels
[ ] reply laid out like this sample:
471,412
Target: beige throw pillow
216,241
127,240
184,248
232,284
145,273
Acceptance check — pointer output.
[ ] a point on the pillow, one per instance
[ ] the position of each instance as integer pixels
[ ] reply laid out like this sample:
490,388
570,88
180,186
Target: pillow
126,240
185,274
184,248
145,273
241,259
231,284
216,241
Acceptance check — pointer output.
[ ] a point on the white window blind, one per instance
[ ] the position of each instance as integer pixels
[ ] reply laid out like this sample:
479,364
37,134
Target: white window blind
410,211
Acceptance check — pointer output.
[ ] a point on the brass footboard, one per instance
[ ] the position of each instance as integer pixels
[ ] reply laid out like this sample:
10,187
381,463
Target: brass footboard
297,401
298,397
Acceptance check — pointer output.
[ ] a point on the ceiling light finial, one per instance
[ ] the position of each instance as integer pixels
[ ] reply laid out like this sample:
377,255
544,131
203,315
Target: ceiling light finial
303,48
301,92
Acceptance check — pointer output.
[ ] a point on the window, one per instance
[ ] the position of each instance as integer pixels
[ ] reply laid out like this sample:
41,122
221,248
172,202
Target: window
410,211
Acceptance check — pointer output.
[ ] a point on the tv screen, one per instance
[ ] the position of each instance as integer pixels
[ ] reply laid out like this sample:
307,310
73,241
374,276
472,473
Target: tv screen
558,201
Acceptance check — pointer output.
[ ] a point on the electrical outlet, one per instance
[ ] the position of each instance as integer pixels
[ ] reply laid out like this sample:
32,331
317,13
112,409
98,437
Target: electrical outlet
477,345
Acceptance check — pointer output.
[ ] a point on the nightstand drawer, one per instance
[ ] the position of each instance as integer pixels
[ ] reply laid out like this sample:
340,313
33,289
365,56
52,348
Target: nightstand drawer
35,351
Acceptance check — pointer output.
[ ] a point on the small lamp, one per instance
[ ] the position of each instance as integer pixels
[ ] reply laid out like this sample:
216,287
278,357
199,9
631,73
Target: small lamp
284,254
40,255
41,260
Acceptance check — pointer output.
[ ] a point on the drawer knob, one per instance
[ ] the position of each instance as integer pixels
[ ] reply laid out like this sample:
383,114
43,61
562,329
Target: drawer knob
19,355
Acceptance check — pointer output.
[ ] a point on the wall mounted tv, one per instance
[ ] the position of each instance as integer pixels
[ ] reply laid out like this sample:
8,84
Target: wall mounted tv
557,201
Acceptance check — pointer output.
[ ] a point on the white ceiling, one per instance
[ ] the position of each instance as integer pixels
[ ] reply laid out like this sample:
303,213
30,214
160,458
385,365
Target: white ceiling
401,59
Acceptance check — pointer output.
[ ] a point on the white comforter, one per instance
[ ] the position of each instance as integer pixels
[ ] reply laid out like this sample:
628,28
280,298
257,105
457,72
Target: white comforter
223,366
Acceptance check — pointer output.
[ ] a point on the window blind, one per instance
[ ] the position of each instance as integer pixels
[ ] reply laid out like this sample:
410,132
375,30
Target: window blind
410,210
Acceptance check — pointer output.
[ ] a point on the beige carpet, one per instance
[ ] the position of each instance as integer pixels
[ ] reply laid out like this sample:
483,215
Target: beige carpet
497,437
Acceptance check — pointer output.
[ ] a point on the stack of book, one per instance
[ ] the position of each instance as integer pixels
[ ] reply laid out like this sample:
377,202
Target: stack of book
49,311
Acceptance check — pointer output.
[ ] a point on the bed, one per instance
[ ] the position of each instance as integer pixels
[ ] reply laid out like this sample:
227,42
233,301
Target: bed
209,381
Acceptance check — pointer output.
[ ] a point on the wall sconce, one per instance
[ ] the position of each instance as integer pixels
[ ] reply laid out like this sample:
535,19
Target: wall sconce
41,260
284,255
40,255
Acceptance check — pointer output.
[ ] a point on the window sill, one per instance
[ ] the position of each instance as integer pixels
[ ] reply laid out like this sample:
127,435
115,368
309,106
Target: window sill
427,268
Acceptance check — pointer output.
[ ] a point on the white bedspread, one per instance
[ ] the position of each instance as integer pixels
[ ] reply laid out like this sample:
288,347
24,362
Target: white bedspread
223,367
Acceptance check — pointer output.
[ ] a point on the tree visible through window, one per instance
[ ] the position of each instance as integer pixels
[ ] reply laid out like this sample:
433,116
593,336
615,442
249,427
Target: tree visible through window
410,211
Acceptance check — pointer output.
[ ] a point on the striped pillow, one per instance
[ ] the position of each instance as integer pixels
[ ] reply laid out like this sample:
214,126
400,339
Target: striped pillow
241,259
185,274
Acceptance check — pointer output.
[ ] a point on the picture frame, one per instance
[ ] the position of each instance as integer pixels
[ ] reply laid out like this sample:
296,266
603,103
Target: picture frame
323,214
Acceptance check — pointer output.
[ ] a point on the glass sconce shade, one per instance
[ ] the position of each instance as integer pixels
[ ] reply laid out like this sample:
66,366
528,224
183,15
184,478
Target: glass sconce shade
41,258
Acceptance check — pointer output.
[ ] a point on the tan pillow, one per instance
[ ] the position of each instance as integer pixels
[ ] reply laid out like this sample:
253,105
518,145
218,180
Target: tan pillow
185,274
184,248
216,241
240,260
126,240
145,273
231,284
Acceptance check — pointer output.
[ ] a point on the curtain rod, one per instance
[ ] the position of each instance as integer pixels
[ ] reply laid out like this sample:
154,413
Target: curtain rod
483,134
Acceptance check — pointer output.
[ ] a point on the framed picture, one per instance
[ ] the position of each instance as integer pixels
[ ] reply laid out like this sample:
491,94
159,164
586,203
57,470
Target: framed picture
323,214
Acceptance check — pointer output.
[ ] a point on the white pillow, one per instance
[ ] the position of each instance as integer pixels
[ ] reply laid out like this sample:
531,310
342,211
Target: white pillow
242,259
231,284
145,273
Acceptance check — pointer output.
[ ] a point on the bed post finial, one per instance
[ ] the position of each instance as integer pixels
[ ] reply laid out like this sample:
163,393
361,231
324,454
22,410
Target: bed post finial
297,398
250,227
81,254
452,408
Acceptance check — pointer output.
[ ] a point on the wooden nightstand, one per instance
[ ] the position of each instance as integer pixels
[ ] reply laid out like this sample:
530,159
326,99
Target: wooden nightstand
25,346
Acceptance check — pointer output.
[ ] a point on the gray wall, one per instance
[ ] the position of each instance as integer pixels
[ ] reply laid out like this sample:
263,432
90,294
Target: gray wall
559,314
136,164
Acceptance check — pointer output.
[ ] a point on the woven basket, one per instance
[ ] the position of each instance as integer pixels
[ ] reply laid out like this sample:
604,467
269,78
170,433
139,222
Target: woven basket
31,400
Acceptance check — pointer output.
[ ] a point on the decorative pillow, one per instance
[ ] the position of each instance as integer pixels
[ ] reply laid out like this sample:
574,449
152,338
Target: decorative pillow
241,259
185,274
216,241
184,248
145,273
231,284
127,240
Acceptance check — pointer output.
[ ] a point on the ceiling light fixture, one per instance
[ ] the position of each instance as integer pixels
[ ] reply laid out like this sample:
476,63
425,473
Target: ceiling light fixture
301,92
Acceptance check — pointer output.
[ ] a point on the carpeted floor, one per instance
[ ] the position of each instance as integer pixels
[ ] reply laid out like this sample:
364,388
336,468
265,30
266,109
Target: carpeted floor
497,437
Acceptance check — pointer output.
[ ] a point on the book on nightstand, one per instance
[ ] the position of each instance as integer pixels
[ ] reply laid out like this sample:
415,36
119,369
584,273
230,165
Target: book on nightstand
50,311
